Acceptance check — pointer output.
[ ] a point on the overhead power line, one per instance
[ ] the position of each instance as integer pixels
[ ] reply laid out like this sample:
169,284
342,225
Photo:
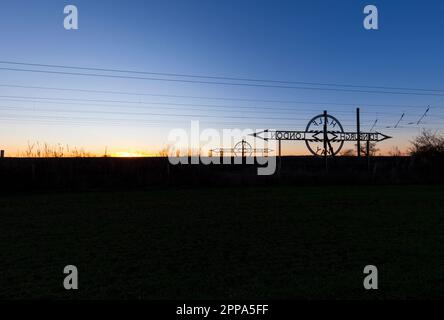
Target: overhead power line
223,83
422,116
246,119
213,98
158,114
166,105
187,75
399,121
36,118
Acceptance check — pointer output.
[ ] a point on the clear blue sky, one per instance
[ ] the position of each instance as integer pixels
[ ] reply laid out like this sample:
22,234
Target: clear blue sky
307,40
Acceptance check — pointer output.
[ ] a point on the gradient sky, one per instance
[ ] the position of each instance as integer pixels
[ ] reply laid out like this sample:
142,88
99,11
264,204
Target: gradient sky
306,40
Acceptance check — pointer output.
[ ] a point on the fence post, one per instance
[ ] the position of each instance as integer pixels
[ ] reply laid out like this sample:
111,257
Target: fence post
2,153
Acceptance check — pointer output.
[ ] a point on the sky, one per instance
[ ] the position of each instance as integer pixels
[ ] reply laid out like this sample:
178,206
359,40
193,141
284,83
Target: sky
298,41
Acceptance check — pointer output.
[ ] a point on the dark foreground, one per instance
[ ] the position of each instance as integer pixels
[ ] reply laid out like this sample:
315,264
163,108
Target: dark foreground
270,242
87,174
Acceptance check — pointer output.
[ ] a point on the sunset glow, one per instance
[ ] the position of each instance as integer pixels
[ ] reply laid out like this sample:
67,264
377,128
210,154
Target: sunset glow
129,154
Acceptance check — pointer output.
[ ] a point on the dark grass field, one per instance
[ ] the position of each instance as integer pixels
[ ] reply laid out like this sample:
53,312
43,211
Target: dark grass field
247,243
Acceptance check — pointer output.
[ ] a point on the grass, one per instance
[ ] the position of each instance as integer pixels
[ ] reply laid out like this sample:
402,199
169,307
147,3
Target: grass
253,243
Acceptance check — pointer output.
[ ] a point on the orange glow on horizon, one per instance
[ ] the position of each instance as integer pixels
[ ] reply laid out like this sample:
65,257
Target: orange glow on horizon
130,154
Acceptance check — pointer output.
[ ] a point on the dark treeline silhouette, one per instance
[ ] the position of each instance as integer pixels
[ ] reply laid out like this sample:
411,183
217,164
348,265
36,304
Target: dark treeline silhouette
428,145
78,174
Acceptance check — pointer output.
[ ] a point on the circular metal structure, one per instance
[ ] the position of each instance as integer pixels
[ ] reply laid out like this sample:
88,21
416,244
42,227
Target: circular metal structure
316,144
242,148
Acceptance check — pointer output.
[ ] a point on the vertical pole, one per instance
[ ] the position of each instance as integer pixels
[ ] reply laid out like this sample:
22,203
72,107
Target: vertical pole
368,147
358,130
368,153
244,160
280,154
2,153
325,140
243,148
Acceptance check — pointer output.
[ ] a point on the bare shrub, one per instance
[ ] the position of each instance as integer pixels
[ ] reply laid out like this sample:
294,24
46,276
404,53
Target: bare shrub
45,150
427,144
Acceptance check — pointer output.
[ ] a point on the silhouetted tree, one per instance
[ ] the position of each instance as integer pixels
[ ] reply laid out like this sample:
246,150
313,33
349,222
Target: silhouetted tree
428,144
